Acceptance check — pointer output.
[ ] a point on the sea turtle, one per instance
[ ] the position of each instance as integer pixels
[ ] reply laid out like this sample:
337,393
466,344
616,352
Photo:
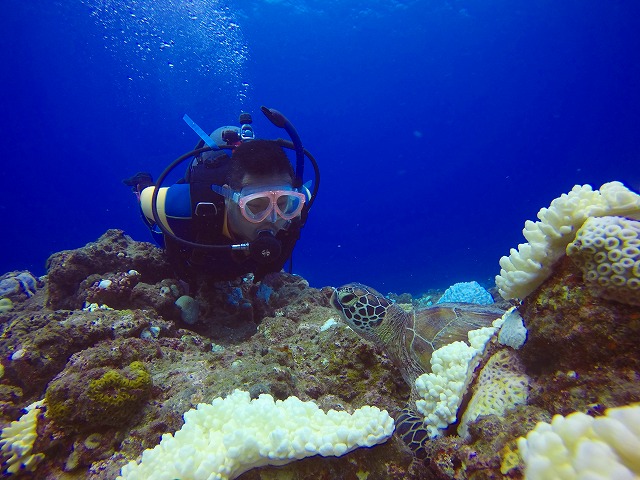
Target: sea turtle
409,338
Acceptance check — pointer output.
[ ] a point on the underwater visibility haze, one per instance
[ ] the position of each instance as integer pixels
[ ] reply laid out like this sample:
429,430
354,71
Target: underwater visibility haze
439,126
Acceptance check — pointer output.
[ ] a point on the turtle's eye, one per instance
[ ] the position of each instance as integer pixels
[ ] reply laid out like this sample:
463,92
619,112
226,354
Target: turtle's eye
348,299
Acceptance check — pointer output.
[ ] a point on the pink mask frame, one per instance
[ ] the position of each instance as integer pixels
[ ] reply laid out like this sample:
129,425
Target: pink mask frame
292,207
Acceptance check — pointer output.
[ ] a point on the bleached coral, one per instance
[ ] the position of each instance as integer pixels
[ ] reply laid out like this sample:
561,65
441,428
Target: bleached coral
466,292
234,434
442,389
22,282
580,446
513,333
501,385
526,268
16,441
607,250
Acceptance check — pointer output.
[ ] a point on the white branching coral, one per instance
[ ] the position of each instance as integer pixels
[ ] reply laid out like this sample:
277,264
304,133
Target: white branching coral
527,267
223,439
16,441
580,446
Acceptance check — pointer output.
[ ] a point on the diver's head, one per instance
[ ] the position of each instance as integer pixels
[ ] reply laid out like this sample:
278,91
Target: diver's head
258,158
263,181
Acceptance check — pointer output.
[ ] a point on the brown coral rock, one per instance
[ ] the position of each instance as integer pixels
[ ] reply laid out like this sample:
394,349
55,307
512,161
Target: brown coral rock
112,252
582,351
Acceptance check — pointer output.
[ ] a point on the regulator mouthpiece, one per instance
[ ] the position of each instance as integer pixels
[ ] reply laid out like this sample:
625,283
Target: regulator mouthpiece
266,248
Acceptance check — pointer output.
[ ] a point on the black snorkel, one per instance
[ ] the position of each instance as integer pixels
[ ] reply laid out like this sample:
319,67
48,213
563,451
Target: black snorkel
279,120
265,248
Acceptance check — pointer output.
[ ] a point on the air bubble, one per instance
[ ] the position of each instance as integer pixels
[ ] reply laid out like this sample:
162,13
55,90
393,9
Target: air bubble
206,36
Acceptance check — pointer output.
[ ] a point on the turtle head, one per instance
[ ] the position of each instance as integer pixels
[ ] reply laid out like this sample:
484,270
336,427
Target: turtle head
362,308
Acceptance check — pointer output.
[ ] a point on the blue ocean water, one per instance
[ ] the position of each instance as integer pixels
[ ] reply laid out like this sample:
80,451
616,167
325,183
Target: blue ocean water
439,126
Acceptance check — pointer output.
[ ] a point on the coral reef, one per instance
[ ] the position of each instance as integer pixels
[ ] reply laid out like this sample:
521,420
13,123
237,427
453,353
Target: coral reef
235,434
16,442
85,398
117,379
526,268
581,354
113,252
113,289
501,385
512,332
581,446
442,389
103,408
14,284
607,250
189,309
5,305
466,292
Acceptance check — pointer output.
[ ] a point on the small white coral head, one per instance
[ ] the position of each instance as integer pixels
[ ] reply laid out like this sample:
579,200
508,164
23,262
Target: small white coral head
580,446
16,441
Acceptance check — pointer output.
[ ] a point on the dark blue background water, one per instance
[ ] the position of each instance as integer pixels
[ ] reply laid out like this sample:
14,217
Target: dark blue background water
439,126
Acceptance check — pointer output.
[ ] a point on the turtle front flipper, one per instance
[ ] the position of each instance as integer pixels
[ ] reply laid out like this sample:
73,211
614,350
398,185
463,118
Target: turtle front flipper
410,427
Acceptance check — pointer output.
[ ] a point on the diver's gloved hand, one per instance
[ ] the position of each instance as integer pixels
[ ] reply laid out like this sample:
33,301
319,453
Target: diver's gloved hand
139,181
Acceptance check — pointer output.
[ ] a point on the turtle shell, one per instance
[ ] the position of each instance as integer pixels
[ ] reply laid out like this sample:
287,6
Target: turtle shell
433,327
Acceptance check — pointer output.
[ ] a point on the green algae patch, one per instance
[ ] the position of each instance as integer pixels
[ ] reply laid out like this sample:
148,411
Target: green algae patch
115,389
111,398
5,305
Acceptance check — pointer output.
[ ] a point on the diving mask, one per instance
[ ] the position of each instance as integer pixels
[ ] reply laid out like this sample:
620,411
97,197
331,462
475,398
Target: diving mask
259,203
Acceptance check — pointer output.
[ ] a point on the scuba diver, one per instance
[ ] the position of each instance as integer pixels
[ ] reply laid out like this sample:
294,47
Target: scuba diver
239,208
